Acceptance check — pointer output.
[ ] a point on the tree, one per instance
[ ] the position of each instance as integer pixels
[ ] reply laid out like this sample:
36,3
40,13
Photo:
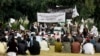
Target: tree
86,8
21,8
97,14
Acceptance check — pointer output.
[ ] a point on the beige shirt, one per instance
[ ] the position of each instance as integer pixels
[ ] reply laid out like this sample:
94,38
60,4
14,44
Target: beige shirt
3,47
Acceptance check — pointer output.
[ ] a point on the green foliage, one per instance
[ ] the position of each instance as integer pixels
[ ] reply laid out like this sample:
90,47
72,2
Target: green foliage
90,6
97,14
19,8
90,25
86,8
15,26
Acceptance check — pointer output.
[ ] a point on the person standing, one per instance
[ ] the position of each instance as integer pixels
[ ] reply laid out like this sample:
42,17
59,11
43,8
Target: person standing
85,32
34,28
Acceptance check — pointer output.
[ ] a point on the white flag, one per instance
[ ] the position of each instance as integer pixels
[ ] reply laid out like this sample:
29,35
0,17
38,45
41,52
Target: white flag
26,21
75,13
82,20
81,28
12,20
22,27
10,25
86,26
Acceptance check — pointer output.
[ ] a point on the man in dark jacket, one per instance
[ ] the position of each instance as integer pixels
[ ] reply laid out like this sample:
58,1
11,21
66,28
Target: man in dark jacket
35,48
34,28
22,47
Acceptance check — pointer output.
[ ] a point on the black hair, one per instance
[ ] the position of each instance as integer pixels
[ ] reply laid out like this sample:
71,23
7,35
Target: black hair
34,38
42,29
42,25
43,38
99,40
32,34
91,37
42,34
58,40
76,39
3,39
19,39
23,41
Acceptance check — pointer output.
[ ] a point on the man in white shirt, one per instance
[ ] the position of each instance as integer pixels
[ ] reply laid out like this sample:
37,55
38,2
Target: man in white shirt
88,48
44,45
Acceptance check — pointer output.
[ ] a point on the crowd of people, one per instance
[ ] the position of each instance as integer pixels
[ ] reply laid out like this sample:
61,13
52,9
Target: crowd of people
73,39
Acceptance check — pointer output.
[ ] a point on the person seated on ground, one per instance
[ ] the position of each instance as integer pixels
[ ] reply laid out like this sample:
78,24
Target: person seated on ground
51,39
35,48
3,46
44,45
88,47
92,40
22,47
58,46
97,46
75,46
12,47
66,44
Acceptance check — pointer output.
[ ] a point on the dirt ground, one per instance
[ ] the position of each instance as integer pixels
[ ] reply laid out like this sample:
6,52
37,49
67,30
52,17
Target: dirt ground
52,53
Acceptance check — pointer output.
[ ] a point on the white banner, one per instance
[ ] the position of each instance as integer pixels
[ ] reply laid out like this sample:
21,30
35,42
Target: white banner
51,17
